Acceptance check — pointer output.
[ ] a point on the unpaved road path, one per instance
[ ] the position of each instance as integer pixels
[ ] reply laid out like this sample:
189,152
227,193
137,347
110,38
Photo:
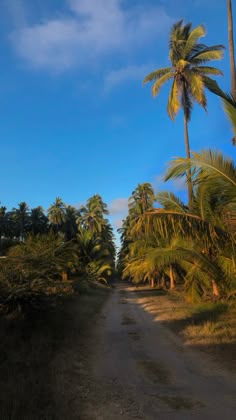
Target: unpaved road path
139,369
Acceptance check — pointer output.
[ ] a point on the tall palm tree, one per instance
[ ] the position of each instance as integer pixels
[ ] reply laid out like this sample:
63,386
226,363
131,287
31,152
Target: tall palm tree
92,214
190,76
56,213
38,221
142,198
69,225
21,216
231,48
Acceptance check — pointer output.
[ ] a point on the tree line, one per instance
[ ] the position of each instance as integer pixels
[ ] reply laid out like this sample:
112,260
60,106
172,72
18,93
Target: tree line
47,255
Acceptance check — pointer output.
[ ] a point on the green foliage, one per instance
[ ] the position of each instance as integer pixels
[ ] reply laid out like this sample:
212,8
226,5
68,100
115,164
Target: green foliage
31,273
195,249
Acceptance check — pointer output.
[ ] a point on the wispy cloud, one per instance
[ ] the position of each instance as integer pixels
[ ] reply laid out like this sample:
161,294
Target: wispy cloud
175,185
118,206
118,210
91,29
126,74
118,223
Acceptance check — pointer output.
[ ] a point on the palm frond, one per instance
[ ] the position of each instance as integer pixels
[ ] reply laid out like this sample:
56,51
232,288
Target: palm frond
214,52
207,163
156,74
170,201
173,104
230,110
195,84
194,35
207,70
159,82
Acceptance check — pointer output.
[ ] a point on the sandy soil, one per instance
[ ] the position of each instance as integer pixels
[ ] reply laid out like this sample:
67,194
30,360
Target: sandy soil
131,366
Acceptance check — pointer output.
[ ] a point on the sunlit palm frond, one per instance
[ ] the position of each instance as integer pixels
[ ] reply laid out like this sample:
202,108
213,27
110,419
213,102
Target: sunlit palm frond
156,74
194,35
195,84
170,201
159,82
173,104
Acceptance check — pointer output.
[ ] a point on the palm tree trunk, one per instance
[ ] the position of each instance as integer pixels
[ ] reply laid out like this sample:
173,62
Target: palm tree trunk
189,175
231,48
172,282
215,290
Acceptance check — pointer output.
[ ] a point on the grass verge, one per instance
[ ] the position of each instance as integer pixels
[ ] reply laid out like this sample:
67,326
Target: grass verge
208,327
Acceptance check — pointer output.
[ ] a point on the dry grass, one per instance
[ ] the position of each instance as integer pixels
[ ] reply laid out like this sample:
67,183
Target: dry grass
210,327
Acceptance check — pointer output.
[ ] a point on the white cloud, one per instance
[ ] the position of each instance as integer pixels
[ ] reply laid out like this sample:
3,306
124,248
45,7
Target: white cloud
90,30
118,206
174,185
118,223
126,74
118,210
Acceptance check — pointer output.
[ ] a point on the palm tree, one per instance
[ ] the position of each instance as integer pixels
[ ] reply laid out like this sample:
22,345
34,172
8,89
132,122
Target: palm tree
190,76
210,227
93,256
56,213
142,198
38,221
195,248
21,216
70,225
91,215
231,49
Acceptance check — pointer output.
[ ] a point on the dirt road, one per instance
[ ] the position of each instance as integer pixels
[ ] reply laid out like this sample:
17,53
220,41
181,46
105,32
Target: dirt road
139,369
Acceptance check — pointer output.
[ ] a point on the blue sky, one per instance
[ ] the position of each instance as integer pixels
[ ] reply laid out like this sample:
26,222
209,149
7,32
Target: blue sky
75,119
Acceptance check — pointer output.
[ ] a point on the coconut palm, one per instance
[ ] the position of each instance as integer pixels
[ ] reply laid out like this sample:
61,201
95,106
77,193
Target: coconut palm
142,198
56,213
211,225
231,48
21,217
197,247
38,221
93,256
70,225
92,214
190,75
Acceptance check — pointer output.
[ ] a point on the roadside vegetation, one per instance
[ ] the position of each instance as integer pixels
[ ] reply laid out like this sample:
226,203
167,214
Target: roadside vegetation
47,257
165,242
207,326
56,265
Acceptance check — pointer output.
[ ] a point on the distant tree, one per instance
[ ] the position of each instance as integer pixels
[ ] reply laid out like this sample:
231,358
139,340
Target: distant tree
21,216
56,213
70,225
92,214
38,221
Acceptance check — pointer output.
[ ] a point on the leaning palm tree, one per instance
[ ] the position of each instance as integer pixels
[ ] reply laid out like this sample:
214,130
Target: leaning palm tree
190,76
231,48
